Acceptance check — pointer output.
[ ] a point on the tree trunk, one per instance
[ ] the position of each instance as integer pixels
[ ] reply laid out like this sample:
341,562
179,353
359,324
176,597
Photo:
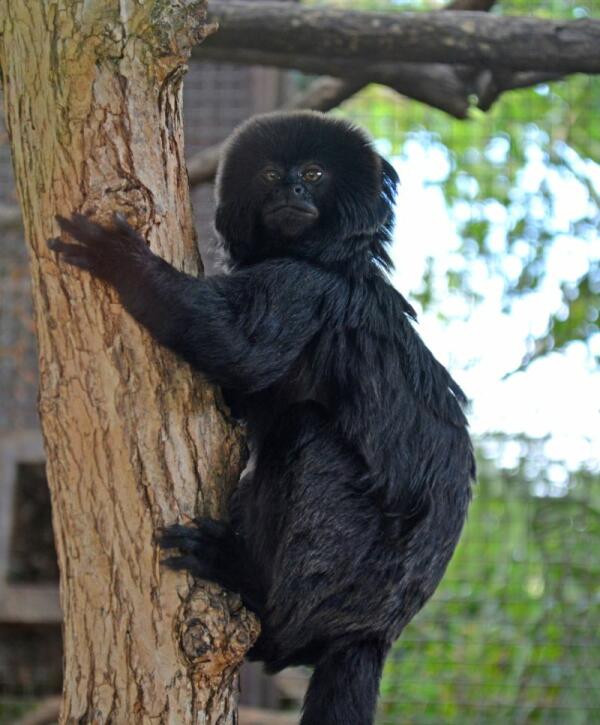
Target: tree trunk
133,439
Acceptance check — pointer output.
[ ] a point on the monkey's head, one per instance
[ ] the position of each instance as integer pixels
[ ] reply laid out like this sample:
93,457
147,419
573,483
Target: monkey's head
303,184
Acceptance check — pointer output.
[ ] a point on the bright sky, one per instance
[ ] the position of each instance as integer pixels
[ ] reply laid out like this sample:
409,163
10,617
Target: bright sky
557,396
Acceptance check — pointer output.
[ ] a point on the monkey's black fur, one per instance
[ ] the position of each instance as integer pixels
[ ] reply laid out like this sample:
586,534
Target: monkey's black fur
361,463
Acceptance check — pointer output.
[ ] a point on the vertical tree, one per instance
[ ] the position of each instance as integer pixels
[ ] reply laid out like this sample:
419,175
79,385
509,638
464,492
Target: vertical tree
133,439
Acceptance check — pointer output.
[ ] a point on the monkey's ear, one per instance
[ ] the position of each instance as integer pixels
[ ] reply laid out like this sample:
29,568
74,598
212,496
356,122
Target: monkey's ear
234,226
389,189
391,180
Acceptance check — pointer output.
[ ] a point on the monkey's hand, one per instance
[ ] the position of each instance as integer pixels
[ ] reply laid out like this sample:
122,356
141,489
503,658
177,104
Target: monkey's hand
110,254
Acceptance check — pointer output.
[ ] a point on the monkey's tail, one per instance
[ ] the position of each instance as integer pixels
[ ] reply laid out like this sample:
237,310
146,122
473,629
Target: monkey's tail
344,686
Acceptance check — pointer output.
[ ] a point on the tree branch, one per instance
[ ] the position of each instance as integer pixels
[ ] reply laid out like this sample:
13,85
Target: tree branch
465,38
324,94
447,88
482,5
490,86
433,84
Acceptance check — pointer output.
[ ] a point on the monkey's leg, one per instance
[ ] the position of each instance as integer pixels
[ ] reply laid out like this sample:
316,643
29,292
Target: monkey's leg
319,539
313,533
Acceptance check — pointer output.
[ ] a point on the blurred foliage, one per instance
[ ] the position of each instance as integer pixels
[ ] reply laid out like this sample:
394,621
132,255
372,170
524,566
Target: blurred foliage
512,634
510,174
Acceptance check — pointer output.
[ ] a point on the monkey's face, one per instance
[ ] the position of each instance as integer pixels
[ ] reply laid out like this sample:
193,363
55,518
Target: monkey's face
291,197
301,183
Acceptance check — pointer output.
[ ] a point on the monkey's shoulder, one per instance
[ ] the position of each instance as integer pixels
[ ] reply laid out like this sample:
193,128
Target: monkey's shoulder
388,348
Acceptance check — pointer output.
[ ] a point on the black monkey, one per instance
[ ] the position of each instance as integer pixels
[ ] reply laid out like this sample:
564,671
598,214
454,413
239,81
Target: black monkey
361,464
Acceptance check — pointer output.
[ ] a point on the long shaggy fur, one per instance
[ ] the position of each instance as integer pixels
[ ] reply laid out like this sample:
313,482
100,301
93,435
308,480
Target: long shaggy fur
361,465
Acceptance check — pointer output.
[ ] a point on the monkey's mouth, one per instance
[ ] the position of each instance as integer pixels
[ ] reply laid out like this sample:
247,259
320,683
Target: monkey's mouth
289,220
286,209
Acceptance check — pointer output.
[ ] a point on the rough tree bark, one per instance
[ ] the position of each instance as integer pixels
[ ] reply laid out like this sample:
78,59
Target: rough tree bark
133,439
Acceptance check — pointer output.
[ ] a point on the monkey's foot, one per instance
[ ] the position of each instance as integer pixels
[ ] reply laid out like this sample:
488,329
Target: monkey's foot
205,548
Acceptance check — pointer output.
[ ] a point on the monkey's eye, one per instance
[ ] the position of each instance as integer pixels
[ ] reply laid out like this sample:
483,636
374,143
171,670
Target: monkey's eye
271,175
311,174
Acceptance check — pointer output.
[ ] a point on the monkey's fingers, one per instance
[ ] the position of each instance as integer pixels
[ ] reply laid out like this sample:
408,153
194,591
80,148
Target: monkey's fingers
191,540
73,254
211,527
184,538
171,536
179,563
83,230
192,564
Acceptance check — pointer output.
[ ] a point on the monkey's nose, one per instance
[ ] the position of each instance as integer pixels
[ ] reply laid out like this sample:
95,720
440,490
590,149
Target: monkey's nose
297,189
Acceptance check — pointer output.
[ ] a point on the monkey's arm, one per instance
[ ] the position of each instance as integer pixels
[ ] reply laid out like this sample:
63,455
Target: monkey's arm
243,330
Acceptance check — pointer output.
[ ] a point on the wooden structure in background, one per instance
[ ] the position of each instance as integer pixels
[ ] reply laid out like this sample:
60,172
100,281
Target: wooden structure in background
22,603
